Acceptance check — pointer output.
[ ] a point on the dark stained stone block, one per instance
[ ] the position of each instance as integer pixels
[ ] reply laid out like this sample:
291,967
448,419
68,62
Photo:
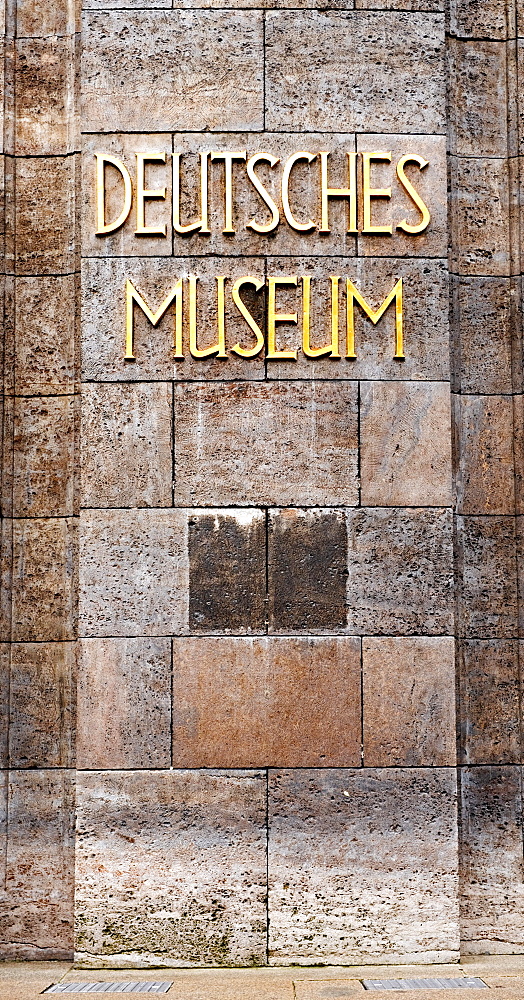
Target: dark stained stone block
227,571
307,570
488,577
489,701
41,730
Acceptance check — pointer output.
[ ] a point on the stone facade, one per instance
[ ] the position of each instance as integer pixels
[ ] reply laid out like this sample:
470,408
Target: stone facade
261,619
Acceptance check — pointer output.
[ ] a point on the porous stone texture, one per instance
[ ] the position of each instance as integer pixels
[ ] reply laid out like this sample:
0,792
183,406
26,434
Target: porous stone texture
485,477
288,702
489,701
41,724
328,896
184,875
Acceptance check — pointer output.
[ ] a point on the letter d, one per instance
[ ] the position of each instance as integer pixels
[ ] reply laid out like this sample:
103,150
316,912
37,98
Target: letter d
102,228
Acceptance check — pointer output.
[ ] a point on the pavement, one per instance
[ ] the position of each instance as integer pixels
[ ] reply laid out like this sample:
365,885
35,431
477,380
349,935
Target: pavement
503,974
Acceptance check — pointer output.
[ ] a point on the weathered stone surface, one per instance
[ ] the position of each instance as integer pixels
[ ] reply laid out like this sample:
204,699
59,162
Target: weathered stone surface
480,100
431,184
518,451
330,897
283,702
44,466
124,703
492,907
39,600
485,310
103,325
489,702
480,216
485,475
41,726
405,444
127,445
278,443
227,571
45,81
37,904
133,572
425,318
337,76
56,18
191,887
467,16
409,702
487,577
42,352
307,570
432,6
43,243
400,572
220,86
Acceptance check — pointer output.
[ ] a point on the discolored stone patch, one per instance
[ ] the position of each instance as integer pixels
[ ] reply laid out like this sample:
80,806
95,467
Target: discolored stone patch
485,475
41,727
489,703
487,551
40,590
487,333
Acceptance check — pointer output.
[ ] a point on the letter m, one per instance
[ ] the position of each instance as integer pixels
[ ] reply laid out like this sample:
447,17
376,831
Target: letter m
133,297
353,295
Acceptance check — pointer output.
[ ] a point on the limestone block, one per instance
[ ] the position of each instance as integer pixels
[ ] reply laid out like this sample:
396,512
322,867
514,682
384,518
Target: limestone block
227,570
425,318
480,216
492,904
104,319
157,212
45,88
38,599
484,307
124,703
133,572
400,571
45,215
41,727
4,715
43,477
488,581
283,702
192,890
37,906
126,445
467,15
362,865
280,443
485,476
489,701
430,183
42,351
215,84
337,76
58,17
307,570
405,450
518,448
479,97
432,6
409,702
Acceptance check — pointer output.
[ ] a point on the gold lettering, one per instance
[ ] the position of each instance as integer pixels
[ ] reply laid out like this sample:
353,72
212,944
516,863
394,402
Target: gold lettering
301,227
369,192
229,158
202,224
250,352
349,192
258,227
143,194
414,195
273,318
332,348
102,228
353,295
134,297
218,349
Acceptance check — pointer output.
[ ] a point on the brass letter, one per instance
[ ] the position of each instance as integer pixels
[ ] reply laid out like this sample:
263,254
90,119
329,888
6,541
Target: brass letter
132,296
101,227
349,192
202,224
266,198
250,352
332,348
374,315
301,227
273,318
369,192
414,195
229,159
142,194
219,349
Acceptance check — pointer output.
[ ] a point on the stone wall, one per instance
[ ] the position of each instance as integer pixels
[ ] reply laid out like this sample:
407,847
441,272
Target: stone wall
261,618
